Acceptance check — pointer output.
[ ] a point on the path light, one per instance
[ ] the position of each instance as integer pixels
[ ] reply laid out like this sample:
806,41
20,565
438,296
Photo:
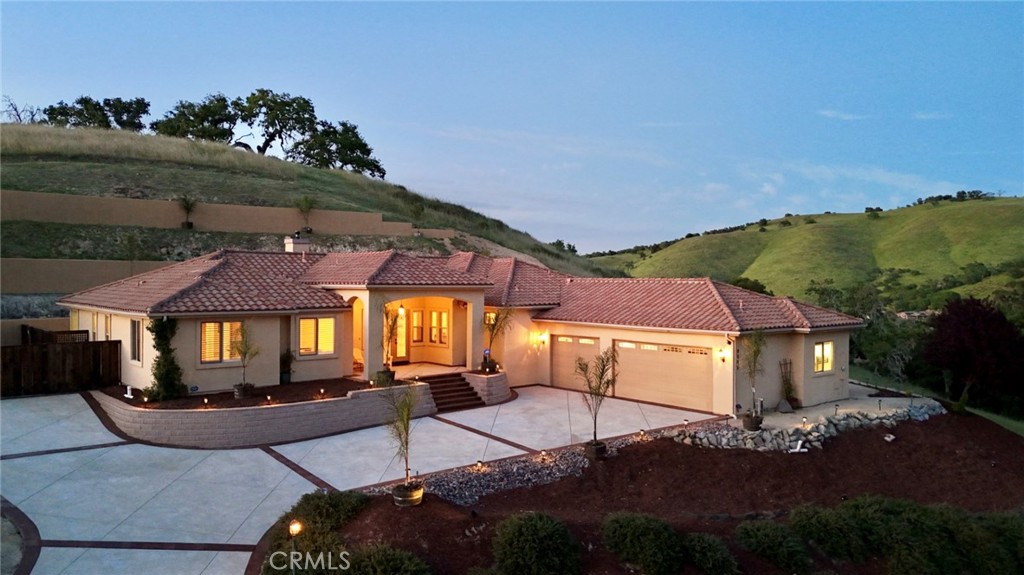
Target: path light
643,433
145,399
294,528
321,391
879,405
805,422
268,399
206,401
837,409
686,422
479,465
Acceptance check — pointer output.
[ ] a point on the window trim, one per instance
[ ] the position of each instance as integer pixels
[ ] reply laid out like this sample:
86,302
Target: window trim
316,335
439,329
135,341
416,324
831,357
222,330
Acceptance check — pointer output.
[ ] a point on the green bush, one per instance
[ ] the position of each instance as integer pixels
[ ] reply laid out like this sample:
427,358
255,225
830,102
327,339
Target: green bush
644,541
776,543
535,543
710,554
1008,529
383,560
321,513
166,371
834,532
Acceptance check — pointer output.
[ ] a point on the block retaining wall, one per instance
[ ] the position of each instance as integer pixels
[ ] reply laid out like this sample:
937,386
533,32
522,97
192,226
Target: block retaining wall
491,388
251,426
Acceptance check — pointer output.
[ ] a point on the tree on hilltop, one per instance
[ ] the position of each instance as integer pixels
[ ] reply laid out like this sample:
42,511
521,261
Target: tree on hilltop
336,146
86,112
281,117
213,119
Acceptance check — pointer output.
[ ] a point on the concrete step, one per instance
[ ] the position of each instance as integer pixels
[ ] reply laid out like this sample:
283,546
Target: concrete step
451,392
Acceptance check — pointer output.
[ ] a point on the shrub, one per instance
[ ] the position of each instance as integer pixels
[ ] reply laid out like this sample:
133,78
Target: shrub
776,543
834,532
321,513
645,541
166,371
535,543
710,554
785,223
383,560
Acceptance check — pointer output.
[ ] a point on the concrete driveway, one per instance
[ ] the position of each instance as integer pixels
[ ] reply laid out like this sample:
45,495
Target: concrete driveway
104,504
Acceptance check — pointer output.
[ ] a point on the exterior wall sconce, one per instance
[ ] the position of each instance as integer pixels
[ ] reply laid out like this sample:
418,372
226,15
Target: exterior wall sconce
538,339
401,309
722,355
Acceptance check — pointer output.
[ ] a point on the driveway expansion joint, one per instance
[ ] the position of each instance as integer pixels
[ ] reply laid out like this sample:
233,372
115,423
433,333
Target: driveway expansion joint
490,436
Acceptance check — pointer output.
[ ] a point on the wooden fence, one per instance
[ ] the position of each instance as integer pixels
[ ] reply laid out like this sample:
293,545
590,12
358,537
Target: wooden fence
45,368
30,334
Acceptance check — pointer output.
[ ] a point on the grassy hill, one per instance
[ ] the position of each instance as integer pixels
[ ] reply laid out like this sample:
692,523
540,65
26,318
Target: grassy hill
114,163
929,242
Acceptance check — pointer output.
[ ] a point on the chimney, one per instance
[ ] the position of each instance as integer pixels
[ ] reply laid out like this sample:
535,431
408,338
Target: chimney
294,244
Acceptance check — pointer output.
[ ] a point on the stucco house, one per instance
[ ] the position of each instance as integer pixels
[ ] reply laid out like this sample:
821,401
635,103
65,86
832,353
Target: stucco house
677,339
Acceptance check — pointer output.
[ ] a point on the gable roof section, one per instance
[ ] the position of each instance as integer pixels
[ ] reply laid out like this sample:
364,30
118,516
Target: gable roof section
221,282
699,304
514,283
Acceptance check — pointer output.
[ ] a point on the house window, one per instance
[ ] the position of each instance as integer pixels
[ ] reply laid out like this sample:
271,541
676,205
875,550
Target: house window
106,327
316,336
823,357
417,326
439,327
218,340
95,326
135,346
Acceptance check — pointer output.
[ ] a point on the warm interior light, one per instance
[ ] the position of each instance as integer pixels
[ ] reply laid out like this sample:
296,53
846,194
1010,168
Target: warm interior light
294,528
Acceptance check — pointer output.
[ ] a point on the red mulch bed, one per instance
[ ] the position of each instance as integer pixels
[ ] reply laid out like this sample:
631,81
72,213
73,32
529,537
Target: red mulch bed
287,393
963,460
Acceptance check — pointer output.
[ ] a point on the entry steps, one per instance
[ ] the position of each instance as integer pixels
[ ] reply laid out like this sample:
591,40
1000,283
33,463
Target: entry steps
451,392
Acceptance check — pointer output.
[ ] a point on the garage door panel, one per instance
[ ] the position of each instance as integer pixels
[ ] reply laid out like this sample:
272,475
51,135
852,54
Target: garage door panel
564,351
669,374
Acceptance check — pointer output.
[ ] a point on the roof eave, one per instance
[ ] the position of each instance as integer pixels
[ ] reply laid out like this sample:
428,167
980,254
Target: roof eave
640,327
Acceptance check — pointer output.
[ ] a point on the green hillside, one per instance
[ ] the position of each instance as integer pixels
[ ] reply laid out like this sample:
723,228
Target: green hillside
115,163
929,243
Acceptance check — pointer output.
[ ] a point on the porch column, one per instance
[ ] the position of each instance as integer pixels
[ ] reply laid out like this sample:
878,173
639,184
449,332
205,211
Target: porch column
474,331
373,334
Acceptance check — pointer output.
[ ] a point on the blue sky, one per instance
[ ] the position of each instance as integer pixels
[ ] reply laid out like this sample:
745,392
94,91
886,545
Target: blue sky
603,124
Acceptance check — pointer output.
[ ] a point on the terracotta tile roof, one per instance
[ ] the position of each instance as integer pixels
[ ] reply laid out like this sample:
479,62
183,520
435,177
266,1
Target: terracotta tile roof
221,282
388,268
691,304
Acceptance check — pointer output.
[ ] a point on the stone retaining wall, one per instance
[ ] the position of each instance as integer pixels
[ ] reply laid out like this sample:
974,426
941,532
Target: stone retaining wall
491,388
814,435
250,426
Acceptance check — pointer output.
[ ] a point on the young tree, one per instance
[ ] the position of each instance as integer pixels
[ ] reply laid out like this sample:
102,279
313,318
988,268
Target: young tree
402,402
599,377
390,316
751,350
980,349
213,120
305,204
282,117
246,349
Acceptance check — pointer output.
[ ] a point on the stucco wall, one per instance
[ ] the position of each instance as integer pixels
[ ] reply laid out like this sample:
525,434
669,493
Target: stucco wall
75,209
524,363
24,275
248,426
815,388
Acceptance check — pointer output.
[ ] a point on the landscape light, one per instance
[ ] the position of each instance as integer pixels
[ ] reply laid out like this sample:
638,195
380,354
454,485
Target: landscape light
321,391
479,464
837,409
805,421
686,422
268,399
206,401
879,405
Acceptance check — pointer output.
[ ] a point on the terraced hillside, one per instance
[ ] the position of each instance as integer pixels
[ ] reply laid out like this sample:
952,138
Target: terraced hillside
119,164
927,242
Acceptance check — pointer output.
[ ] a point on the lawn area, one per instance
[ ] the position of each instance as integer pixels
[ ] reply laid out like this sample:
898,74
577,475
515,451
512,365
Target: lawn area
867,376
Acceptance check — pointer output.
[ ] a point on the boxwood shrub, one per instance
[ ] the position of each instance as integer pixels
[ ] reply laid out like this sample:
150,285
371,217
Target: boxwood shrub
709,554
535,544
776,543
644,541
380,559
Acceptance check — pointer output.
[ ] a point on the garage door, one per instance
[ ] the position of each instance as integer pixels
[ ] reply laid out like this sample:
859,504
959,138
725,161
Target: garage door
669,374
564,351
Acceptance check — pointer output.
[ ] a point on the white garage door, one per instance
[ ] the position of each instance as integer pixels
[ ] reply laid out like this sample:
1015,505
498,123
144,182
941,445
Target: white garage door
564,351
669,374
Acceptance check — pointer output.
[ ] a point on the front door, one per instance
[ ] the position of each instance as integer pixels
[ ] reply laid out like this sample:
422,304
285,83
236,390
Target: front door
400,346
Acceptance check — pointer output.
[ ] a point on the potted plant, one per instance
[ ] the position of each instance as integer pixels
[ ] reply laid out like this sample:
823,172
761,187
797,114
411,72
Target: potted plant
287,358
599,377
188,204
751,350
402,402
496,323
386,376
246,350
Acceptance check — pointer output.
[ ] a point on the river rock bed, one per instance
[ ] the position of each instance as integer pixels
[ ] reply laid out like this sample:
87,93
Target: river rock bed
722,436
